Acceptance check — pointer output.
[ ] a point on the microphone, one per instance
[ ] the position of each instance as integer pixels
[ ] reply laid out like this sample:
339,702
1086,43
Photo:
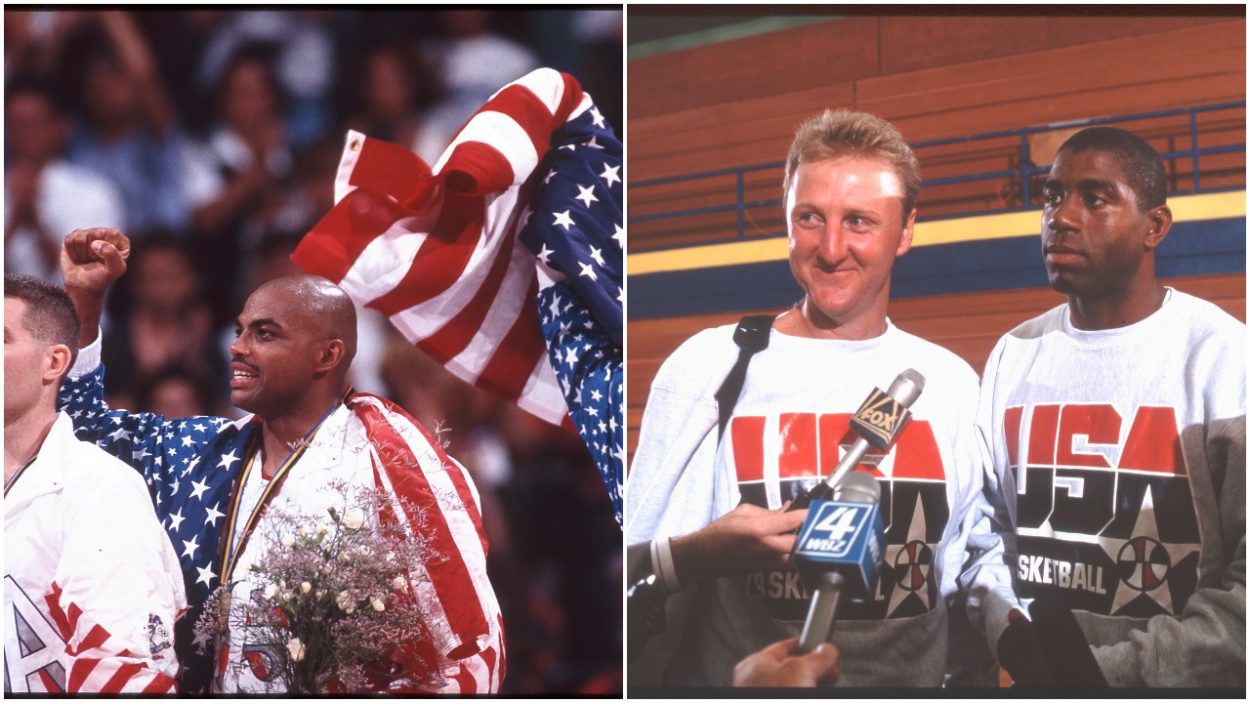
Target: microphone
878,421
839,550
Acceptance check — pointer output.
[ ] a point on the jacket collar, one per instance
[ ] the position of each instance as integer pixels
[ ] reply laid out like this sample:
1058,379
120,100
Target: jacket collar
46,474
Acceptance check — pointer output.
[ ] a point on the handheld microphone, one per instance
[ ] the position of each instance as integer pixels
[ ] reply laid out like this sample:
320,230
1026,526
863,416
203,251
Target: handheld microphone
877,422
838,551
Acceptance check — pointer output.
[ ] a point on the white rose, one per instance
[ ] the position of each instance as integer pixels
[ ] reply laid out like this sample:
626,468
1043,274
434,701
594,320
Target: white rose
304,531
400,584
305,587
270,591
377,603
354,519
288,541
296,648
345,601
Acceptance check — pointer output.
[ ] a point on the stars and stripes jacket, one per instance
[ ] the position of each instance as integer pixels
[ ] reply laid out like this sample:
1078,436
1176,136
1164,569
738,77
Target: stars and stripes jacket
192,465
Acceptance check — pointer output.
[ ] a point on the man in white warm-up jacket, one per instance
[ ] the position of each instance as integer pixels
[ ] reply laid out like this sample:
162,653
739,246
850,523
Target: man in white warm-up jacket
91,583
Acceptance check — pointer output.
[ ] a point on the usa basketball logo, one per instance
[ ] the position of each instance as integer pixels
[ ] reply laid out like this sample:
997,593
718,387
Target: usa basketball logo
912,565
1143,564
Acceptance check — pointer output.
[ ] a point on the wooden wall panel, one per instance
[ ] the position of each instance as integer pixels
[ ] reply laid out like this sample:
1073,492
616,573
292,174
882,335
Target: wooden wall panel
1180,62
1062,69
969,324
911,43
761,65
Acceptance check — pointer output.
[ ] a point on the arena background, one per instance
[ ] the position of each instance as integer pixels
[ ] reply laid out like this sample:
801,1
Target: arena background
715,96
212,138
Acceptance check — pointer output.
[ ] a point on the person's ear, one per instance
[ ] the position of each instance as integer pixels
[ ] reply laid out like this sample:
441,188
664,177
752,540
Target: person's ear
331,355
909,229
56,362
1160,219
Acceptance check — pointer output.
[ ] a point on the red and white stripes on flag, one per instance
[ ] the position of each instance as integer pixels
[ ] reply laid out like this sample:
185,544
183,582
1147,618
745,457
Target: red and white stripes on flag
466,643
95,664
434,249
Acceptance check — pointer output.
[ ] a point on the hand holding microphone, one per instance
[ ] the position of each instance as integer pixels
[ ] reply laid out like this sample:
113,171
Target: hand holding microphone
839,547
779,664
745,539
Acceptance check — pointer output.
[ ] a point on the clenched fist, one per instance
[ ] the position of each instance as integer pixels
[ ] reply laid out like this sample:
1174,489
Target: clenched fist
92,258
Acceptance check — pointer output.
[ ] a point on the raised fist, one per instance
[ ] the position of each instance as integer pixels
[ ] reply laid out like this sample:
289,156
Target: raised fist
92,258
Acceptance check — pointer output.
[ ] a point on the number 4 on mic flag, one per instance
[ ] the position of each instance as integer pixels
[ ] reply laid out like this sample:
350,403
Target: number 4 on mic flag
435,249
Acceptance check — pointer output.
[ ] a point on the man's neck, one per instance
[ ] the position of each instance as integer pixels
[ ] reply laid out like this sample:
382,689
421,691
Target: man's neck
283,434
804,321
23,438
1118,309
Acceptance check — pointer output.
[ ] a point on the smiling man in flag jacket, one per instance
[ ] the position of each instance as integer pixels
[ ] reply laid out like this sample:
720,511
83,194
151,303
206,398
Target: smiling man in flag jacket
212,479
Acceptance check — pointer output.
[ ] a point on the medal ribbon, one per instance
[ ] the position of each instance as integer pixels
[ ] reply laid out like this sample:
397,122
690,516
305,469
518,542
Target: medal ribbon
231,551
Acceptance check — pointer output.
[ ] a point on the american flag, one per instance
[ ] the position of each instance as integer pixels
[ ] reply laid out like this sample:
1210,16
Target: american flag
435,249
588,364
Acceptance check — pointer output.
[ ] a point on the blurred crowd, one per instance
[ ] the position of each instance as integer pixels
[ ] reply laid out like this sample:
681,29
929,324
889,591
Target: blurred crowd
212,137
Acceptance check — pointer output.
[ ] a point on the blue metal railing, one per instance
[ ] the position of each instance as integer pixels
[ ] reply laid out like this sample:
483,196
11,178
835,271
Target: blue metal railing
1024,171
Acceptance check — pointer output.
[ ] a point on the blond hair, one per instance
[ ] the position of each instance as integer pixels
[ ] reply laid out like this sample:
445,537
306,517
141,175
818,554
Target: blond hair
835,134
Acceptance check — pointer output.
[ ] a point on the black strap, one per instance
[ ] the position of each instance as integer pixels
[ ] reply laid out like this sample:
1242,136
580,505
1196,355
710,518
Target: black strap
751,336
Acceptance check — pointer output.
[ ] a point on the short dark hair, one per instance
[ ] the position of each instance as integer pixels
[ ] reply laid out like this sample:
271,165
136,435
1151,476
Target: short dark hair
50,316
1140,161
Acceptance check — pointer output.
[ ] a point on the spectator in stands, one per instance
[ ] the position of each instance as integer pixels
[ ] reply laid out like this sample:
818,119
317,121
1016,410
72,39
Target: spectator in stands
472,61
304,62
131,134
45,196
176,391
248,150
248,160
164,319
397,88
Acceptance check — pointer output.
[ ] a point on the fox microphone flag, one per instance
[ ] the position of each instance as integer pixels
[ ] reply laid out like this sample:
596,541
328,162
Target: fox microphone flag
877,422
435,249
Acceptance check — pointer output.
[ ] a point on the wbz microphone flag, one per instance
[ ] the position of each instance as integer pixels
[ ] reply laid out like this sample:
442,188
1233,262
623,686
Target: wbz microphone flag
436,250
843,537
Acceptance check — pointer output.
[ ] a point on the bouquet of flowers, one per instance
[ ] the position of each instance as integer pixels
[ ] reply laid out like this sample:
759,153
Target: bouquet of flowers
331,604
